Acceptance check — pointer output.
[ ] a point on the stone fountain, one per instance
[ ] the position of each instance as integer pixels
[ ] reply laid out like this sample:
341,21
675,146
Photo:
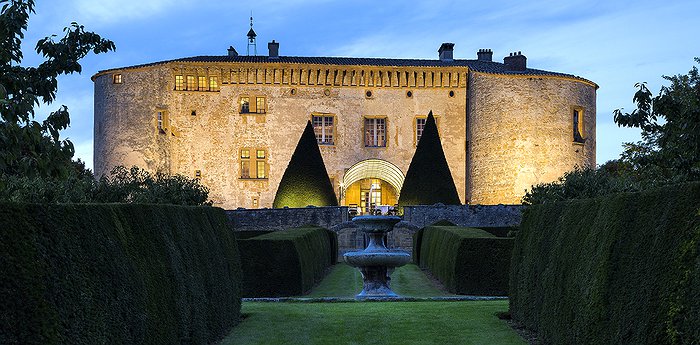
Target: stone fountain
376,262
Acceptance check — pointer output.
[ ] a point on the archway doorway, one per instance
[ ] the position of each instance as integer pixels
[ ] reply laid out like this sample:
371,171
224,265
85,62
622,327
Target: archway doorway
371,183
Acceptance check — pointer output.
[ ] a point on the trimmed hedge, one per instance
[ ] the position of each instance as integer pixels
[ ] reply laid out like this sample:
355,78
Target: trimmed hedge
305,181
116,274
244,235
286,263
428,179
467,261
621,269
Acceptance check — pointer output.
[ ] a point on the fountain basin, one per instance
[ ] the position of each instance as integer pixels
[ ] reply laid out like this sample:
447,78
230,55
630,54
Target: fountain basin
388,258
376,262
371,224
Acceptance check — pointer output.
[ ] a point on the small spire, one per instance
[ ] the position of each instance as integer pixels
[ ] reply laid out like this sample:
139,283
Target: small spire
251,37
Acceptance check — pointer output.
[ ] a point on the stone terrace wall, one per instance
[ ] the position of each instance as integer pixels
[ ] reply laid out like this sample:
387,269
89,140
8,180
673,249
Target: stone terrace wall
283,218
464,215
349,238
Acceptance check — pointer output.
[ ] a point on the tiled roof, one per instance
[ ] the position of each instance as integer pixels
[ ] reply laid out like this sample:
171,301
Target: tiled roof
475,65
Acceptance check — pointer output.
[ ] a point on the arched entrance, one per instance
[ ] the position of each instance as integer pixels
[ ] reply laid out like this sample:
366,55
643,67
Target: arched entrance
371,181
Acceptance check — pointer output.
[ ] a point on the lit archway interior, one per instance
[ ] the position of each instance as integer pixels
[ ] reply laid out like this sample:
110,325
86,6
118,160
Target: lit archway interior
372,181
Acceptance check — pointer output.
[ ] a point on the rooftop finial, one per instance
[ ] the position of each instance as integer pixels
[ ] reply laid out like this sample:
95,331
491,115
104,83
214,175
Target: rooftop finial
251,37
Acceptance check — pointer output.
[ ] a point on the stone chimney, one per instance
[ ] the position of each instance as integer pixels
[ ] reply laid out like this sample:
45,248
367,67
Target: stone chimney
484,55
232,51
274,48
515,62
445,51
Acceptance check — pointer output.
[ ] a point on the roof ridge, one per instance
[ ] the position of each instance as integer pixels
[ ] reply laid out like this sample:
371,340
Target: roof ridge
491,67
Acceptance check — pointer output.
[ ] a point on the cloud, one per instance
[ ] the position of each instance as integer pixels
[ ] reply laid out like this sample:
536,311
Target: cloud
115,11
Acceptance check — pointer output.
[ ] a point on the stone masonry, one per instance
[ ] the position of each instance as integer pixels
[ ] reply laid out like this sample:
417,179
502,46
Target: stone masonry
502,130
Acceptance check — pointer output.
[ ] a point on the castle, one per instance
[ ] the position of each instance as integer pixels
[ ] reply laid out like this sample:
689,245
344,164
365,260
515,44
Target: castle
233,121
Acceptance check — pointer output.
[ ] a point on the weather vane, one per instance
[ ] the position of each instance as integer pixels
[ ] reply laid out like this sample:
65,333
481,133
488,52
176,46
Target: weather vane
251,37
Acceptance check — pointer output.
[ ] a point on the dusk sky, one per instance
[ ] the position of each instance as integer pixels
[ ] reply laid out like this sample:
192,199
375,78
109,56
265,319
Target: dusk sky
613,43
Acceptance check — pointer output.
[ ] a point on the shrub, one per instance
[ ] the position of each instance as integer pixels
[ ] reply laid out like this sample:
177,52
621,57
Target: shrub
466,260
305,181
286,263
428,179
116,274
620,269
124,186
582,184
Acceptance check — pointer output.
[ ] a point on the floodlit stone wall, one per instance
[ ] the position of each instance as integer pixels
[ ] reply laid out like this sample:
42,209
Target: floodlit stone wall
210,141
521,133
500,133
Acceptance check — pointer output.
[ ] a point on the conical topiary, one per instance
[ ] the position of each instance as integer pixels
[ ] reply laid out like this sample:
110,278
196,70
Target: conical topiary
428,179
305,182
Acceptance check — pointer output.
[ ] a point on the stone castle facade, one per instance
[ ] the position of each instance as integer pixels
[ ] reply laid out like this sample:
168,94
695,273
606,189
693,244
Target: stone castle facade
234,121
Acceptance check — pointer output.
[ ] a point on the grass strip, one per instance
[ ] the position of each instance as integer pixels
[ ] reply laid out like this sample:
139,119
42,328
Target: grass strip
466,323
346,281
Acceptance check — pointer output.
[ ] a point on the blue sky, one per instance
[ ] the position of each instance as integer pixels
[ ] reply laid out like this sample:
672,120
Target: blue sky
613,43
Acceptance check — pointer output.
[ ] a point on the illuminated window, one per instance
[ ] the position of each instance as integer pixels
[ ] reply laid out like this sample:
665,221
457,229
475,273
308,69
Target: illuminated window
117,79
202,83
370,195
260,105
324,128
191,83
578,125
261,163
245,105
420,125
254,167
179,82
375,132
255,202
245,163
213,84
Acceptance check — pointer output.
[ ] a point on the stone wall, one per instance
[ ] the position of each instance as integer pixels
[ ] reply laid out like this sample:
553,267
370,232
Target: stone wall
210,141
500,133
521,133
277,219
349,238
464,215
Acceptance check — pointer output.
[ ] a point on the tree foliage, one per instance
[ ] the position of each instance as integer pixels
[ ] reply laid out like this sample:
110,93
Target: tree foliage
670,124
428,179
305,181
132,185
28,147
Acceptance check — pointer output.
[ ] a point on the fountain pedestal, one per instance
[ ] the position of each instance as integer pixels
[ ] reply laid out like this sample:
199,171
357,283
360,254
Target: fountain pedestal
376,262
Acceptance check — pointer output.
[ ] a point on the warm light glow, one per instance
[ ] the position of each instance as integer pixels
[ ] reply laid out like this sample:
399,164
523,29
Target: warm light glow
374,168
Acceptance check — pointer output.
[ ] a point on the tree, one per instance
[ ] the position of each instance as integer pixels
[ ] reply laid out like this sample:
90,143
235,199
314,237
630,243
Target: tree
428,179
305,181
670,124
28,147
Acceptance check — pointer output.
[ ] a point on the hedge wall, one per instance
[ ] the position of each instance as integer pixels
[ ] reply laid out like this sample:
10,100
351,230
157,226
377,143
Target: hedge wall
467,261
116,274
622,269
286,263
244,235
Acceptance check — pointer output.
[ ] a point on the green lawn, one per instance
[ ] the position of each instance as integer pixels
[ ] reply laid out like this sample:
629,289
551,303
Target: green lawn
346,281
468,322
